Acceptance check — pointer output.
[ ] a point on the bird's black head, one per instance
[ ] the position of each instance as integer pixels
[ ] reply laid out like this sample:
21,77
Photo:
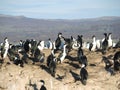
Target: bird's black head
42,81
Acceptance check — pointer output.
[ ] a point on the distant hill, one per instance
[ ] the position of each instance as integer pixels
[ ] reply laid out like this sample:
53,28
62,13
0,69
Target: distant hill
20,27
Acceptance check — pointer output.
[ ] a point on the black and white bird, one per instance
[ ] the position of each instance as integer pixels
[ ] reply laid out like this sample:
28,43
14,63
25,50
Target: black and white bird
104,44
84,60
75,43
93,44
108,65
110,41
41,45
14,56
0,47
87,45
81,57
50,57
80,40
33,46
11,52
52,66
18,61
62,55
80,54
51,62
42,85
27,46
117,44
59,42
116,59
21,43
4,48
98,44
83,74
48,44
38,55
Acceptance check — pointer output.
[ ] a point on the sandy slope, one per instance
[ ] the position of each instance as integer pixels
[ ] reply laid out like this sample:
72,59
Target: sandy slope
13,77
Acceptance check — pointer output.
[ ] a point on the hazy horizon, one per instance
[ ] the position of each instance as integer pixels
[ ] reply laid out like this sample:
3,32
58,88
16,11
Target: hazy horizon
22,16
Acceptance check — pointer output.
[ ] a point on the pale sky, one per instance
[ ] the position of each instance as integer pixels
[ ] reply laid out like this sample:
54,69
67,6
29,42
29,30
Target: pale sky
60,9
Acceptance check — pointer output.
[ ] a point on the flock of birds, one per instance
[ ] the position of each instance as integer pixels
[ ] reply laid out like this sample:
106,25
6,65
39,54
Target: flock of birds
30,48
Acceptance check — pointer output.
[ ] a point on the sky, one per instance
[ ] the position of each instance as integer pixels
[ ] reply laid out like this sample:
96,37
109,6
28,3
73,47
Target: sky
60,9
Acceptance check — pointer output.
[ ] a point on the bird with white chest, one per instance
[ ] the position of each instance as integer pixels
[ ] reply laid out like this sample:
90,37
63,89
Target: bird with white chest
110,41
5,48
63,54
93,43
